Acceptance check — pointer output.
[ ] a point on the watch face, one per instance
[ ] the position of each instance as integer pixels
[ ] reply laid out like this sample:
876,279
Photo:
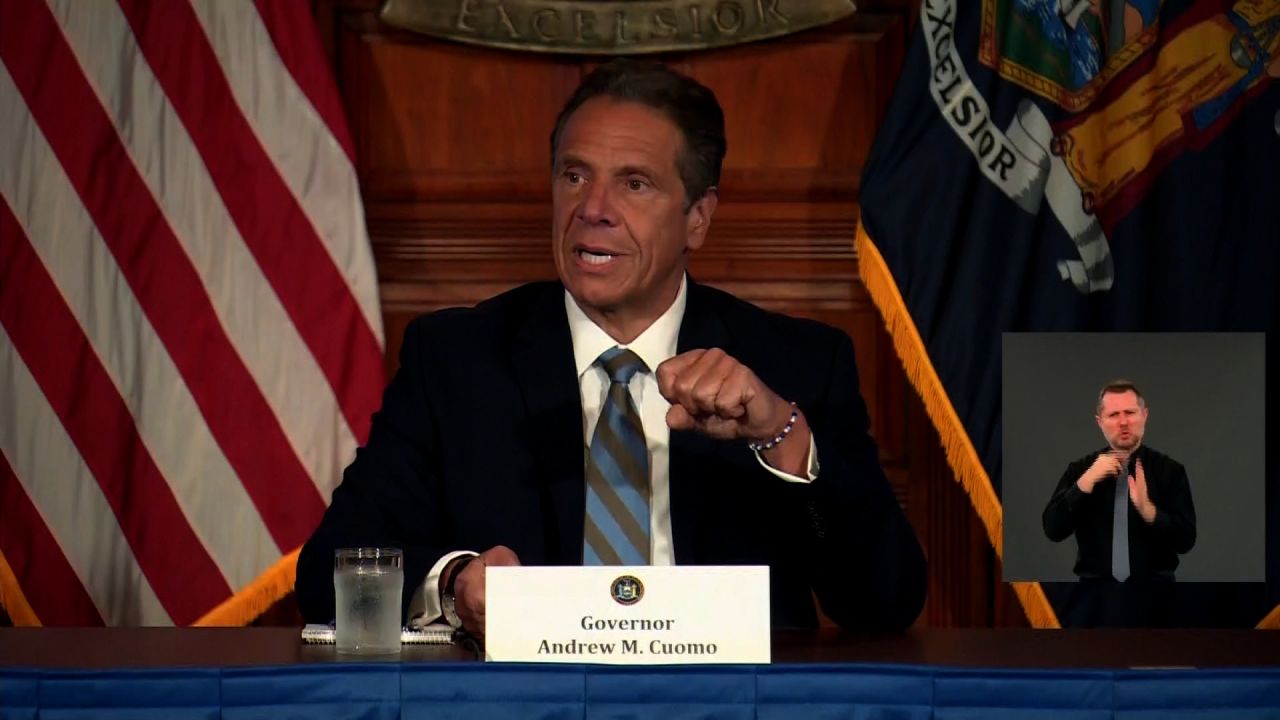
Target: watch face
450,611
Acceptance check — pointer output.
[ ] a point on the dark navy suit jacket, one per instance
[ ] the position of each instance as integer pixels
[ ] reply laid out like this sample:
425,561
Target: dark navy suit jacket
479,442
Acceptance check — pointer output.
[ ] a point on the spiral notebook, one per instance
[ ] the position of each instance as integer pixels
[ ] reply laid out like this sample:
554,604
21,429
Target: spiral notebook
437,634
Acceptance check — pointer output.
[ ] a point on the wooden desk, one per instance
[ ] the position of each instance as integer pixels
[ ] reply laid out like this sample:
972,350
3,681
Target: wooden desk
1049,649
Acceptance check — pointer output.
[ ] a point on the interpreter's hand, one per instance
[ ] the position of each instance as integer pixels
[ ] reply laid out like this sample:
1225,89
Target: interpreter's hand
468,589
1138,494
714,394
1106,465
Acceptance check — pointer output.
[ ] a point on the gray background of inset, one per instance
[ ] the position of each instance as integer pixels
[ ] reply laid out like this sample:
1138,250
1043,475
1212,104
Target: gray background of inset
1205,393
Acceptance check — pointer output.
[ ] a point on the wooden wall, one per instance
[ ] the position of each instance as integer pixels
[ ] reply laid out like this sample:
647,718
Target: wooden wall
452,154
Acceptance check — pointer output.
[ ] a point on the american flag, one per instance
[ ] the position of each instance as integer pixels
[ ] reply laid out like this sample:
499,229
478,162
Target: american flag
190,339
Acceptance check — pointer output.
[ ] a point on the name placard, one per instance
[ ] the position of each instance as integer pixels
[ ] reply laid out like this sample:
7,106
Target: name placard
638,615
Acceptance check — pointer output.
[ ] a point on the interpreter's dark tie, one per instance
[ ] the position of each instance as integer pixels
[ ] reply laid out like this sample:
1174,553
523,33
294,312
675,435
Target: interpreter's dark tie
1120,527
616,531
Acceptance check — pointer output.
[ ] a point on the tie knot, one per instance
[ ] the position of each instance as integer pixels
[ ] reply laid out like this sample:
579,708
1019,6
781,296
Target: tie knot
621,364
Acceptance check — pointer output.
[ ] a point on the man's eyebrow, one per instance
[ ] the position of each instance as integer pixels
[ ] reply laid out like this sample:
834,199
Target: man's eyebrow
644,170
567,160
636,171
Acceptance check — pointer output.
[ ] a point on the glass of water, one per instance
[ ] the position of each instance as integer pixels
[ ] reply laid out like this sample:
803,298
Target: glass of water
369,583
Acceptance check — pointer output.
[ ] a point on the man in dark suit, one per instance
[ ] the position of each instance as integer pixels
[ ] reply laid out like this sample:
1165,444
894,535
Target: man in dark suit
1130,509
712,432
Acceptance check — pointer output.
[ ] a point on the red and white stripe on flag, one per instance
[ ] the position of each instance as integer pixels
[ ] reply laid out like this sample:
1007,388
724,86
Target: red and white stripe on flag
190,339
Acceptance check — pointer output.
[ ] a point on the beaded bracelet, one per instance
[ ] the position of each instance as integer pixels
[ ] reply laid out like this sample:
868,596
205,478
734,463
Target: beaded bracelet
786,430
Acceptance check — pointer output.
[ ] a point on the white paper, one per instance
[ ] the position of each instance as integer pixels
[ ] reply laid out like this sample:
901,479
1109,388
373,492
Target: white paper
660,615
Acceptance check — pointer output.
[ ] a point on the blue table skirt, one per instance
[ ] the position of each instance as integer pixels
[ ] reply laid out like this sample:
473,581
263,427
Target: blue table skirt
474,690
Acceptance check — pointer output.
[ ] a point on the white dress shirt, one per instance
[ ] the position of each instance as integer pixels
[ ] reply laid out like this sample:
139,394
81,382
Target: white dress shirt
654,346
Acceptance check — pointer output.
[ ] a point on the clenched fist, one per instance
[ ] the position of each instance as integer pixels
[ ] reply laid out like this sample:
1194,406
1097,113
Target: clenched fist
1106,465
713,393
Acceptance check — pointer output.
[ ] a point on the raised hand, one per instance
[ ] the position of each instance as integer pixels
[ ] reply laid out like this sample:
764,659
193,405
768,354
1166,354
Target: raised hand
1106,465
1138,495
713,393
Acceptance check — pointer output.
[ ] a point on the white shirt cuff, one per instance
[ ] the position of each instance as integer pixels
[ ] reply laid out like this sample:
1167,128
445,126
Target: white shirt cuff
424,607
813,466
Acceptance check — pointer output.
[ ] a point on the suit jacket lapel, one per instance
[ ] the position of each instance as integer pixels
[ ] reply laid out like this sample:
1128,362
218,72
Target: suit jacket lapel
700,328
544,369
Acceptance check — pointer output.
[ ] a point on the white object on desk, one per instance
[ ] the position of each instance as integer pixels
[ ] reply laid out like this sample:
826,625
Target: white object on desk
646,615
435,634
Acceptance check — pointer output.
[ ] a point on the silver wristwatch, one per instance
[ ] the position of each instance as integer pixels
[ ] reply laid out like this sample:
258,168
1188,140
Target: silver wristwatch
450,610
448,603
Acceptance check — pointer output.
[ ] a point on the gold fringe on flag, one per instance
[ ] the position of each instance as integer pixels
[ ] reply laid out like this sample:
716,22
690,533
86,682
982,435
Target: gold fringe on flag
1271,621
13,600
241,609
961,455
257,597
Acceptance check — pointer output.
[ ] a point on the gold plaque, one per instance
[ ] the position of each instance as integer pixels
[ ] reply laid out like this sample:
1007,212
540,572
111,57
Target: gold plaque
622,27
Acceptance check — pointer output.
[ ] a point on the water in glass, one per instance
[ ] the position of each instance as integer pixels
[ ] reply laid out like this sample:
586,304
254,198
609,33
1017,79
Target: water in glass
367,599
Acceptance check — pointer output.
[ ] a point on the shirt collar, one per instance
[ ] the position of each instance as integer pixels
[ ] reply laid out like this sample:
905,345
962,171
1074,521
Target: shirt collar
654,346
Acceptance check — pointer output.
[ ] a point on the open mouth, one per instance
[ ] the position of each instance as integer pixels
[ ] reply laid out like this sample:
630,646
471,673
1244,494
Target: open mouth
594,256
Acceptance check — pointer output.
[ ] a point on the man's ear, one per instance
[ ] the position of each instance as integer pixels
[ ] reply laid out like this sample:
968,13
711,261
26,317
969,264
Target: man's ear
698,219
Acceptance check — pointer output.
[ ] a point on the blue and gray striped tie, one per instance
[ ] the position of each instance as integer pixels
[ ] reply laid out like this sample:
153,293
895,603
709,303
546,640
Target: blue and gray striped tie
616,531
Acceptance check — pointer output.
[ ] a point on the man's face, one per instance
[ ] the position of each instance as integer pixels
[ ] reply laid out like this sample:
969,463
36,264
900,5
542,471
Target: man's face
1122,420
620,230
